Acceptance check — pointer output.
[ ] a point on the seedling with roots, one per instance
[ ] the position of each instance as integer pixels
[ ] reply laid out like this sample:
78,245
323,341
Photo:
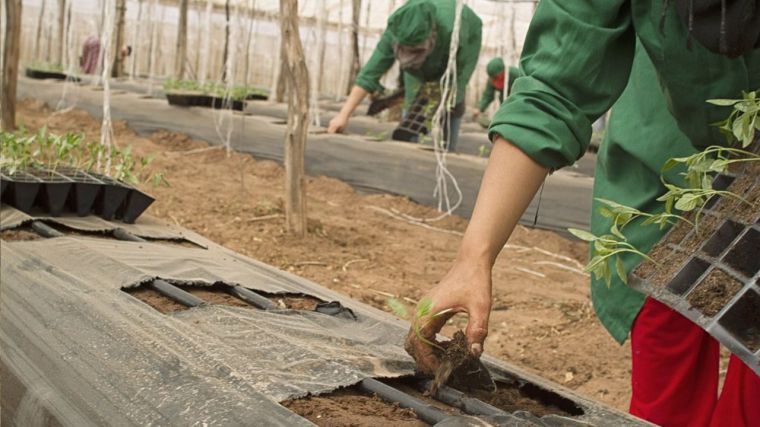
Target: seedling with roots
424,308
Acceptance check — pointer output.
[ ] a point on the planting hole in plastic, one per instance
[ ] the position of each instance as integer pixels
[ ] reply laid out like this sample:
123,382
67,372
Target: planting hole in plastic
688,275
155,299
722,238
744,257
742,320
511,396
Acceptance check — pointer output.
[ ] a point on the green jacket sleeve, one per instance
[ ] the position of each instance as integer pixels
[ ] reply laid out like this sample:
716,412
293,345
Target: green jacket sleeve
379,63
468,53
576,61
487,97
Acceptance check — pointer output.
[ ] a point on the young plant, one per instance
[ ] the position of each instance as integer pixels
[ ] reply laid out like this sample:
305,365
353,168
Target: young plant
743,121
607,248
424,308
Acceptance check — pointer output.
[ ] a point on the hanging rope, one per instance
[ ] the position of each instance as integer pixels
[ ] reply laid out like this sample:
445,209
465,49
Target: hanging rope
155,39
448,99
106,130
205,52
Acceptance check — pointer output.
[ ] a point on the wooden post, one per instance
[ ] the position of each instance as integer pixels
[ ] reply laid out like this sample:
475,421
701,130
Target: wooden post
11,51
40,22
297,75
354,61
180,57
118,60
136,40
226,51
282,80
58,54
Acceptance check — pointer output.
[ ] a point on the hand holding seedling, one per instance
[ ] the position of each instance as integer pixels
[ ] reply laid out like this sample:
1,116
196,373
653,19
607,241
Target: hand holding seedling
465,289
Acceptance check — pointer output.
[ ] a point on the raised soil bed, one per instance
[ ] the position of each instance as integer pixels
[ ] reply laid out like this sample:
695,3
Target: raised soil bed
47,74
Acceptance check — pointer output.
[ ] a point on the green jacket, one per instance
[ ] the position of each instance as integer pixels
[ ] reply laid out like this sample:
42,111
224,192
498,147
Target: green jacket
490,91
577,60
467,55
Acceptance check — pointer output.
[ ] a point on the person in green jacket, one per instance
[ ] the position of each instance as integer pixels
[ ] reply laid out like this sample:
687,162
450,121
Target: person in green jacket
418,35
578,59
495,84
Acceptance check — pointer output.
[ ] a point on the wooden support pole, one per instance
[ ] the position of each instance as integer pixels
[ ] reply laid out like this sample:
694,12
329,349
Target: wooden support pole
118,59
60,47
226,52
11,51
37,40
297,74
354,60
180,57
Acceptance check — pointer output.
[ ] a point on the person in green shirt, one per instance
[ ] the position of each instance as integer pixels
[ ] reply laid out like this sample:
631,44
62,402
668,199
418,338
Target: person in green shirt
418,35
666,58
495,84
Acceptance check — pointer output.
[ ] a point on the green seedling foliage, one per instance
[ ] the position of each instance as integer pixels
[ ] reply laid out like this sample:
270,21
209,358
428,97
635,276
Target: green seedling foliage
743,123
424,309
46,151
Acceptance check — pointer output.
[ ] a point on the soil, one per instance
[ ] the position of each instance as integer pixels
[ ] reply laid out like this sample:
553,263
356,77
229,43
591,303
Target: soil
216,294
666,270
155,299
19,234
509,398
661,254
678,232
706,226
729,206
542,322
295,302
350,407
458,366
714,292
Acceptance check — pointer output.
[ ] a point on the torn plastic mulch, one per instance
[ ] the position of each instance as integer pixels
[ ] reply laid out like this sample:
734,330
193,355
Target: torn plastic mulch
146,227
283,354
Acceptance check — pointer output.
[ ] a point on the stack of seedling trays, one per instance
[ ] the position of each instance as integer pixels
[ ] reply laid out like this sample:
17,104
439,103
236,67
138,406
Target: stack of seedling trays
70,190
711,273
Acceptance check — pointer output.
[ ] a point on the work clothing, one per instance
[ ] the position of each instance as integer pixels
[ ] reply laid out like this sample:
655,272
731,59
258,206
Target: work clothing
411,24
577,60
675,371
495,84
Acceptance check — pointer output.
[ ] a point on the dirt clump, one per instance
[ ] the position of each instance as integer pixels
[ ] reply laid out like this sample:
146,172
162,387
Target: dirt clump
349,407
459,367
710,296
19,235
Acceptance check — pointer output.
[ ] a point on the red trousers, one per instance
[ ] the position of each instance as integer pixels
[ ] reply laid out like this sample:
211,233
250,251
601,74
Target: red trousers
675,375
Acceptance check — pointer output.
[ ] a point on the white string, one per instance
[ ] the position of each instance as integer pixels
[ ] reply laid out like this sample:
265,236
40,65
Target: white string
205,52
341,66
70,63
155,28
136,40
106,130
448,101
316,72
223,122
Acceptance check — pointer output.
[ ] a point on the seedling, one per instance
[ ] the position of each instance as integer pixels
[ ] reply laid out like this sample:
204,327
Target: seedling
606,248
424,308
743,121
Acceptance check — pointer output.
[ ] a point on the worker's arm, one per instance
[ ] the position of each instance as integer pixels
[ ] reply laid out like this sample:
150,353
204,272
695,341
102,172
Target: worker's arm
576,60
468,53
367,81
510,181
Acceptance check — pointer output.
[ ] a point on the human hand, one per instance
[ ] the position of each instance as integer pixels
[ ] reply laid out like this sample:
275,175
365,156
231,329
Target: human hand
465,289
337,124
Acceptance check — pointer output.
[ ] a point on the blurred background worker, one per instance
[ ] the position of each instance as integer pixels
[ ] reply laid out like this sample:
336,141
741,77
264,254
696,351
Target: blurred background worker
418,35
495,85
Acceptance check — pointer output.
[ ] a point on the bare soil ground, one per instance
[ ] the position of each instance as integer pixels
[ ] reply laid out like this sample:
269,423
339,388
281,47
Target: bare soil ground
542,316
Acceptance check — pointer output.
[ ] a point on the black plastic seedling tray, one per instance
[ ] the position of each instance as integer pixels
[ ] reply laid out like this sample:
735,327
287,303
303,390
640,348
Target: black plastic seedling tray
73,190
44,74
713,276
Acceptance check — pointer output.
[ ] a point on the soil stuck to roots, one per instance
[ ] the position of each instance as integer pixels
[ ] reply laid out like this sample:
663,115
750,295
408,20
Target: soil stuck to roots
460,368
350,407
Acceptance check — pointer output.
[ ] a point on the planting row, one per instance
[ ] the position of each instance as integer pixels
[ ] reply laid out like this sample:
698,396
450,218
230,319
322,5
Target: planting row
54,74
68,189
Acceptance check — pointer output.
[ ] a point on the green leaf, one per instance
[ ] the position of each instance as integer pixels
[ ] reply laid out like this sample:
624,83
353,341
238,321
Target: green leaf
687,202
723,102
581,234
605,212
424,307
620,269
397,307
614,230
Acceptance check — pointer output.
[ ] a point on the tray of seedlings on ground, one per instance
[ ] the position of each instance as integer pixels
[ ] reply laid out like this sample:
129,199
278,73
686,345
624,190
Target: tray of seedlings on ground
44,71
707,267
54,174
418,118
190,93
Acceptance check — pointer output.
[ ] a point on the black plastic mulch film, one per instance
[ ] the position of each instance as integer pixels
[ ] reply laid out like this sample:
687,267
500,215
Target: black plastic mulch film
716,280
